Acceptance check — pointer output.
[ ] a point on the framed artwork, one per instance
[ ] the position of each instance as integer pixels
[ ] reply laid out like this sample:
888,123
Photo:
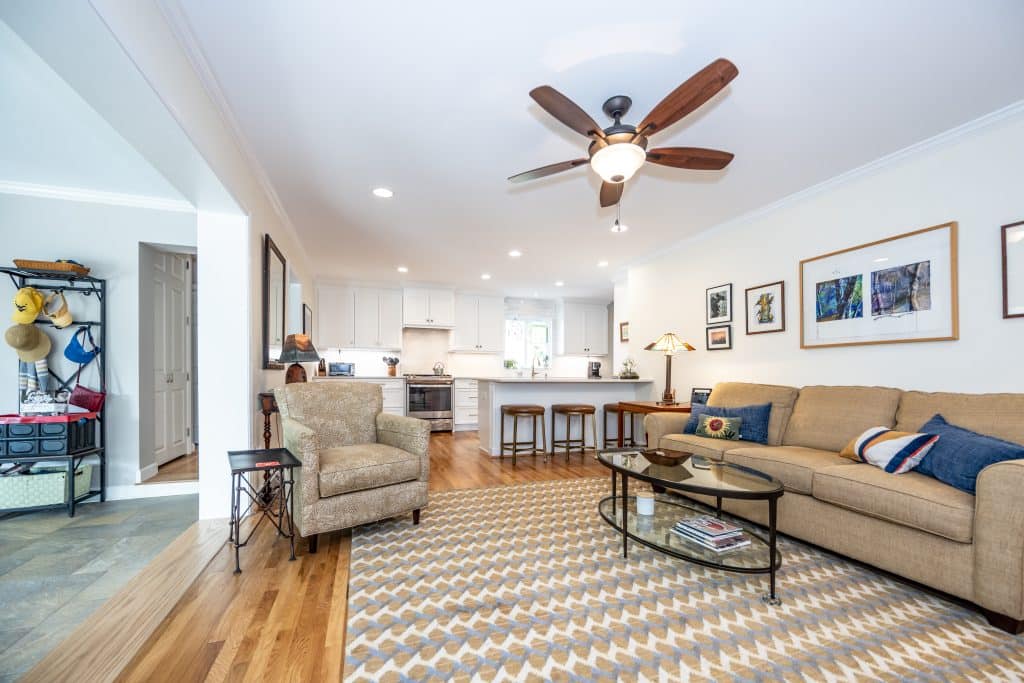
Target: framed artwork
899,289
699,395
623,332
766,308
1013,270
307,321
719,304
719,338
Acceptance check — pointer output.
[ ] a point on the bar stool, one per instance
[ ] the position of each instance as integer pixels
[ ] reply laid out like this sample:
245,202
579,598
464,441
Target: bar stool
569,410
627,426
523,410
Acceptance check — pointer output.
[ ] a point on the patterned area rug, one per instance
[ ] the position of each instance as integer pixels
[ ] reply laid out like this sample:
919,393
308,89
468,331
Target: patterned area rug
526,582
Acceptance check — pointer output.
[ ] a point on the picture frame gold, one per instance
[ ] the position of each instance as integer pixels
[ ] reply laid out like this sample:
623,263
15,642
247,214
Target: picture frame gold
624,332
953,298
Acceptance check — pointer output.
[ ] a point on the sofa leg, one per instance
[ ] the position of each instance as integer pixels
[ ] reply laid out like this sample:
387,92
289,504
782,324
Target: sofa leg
416,516
314,543
1003,622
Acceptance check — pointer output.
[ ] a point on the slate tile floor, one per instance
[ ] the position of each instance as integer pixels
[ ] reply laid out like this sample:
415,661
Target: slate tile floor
55,571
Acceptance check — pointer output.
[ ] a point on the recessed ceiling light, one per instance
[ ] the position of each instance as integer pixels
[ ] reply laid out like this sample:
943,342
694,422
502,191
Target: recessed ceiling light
559,283
383,193
602,264
619,227
485,276
515,253
403,269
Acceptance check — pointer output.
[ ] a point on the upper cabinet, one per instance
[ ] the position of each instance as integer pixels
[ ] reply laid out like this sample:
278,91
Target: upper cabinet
358,317
479,324
583,329
423,307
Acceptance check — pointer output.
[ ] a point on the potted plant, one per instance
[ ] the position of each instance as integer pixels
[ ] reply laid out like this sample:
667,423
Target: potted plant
629,370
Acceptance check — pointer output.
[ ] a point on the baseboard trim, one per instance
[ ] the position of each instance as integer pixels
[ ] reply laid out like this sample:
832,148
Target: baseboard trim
159,490
105,643
147,472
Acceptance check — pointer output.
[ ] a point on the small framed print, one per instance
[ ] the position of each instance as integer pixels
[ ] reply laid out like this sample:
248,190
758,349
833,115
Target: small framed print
719,337
766,308
623,332
699,395
1013,270
307,320
719,304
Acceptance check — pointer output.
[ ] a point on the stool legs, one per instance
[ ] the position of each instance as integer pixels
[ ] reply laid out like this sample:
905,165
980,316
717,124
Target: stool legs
515,446
568,442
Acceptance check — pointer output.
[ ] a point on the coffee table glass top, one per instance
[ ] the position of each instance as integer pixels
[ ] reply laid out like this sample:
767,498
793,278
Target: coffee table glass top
682,471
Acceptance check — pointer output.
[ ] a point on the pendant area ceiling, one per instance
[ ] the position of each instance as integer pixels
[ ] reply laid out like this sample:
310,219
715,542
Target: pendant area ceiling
431,100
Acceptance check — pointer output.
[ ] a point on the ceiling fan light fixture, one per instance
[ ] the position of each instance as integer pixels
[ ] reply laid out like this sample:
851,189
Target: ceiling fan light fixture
617,163
619,227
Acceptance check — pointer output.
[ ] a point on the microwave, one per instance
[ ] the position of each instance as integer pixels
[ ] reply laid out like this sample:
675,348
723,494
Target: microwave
341,369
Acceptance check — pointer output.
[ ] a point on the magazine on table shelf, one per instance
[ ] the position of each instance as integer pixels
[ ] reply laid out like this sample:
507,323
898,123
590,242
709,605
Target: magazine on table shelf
711,533
707,525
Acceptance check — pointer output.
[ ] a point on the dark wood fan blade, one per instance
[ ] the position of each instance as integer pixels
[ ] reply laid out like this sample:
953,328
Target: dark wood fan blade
611,193
550,169
566,111
696,158
697,90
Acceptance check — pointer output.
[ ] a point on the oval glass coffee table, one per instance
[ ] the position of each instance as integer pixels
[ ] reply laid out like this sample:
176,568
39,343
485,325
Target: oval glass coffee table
676,471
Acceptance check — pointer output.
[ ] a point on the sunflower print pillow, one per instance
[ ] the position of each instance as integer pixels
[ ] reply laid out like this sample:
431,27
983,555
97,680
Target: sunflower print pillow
719,427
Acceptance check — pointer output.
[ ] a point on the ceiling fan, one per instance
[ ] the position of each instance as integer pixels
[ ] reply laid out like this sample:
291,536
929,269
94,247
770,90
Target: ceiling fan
617,152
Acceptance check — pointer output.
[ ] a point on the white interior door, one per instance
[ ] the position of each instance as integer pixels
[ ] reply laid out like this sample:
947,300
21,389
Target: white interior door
172,303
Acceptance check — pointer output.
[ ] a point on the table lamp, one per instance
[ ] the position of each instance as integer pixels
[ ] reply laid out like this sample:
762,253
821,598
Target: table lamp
297,349
670,344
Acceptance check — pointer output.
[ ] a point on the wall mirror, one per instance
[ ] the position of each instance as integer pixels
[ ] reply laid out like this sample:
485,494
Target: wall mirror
274,287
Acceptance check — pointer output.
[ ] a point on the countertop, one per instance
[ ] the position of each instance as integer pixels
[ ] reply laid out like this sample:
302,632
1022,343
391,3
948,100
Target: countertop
559,380
360,377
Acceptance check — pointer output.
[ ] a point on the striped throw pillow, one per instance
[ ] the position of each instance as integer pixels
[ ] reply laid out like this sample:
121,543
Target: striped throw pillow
895,452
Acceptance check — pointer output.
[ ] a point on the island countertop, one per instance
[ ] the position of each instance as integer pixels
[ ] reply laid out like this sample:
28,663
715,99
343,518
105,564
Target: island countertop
559,380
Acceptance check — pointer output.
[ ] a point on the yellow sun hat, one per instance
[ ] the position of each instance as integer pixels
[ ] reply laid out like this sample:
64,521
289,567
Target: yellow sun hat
28,303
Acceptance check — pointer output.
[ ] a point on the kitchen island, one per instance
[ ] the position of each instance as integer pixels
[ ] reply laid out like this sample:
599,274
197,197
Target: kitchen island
493,392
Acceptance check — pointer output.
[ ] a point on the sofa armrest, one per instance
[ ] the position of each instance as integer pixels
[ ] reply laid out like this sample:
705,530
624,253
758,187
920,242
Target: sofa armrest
999,539
302,442
407,433
658,425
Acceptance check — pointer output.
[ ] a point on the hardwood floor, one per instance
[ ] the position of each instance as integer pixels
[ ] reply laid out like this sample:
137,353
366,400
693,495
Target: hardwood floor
184,468
282,620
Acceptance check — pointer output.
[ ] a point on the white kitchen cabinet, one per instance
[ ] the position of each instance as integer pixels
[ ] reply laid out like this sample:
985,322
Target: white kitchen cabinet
423,307
465,412
390,306
334,317
583,329
479,324
377,318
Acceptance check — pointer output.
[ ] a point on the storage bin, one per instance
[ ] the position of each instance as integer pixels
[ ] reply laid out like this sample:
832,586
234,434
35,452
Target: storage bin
47,435
45,487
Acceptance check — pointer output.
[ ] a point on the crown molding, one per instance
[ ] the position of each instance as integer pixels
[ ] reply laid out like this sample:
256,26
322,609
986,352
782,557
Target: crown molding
943,139
185,35
79,194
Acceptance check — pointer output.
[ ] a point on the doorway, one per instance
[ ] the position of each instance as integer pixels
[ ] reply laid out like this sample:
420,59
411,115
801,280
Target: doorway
168,449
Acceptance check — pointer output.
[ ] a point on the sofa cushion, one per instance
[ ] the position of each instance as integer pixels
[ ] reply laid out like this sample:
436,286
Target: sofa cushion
792,465
829,417
755,419
701,445
960,454
737,394
997,415
912,500
365,466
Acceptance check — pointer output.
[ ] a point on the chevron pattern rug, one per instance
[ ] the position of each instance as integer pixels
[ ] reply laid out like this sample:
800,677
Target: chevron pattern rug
526,582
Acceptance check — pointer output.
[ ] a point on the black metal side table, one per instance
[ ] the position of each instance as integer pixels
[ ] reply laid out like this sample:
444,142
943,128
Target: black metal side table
273,498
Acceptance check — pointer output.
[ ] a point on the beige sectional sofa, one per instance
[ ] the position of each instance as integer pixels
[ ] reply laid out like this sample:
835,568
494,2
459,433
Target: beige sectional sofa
909,524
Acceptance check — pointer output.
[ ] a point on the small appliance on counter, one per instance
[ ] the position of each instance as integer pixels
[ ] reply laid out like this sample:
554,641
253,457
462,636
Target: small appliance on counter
341,369
594,369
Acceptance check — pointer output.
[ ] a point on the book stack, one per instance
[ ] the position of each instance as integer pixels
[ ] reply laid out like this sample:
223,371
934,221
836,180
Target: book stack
711,533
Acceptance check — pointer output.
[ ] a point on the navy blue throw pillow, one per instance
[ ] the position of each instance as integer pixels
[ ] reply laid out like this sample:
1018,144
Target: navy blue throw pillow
959,456
754,426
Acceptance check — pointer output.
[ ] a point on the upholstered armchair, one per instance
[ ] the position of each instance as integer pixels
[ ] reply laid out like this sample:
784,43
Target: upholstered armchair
359,464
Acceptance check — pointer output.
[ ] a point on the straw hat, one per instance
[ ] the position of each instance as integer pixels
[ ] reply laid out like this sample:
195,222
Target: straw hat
28,341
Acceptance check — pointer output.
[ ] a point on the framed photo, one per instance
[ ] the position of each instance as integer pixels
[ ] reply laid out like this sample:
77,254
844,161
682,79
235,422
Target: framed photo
719,338
719,304
1013,270
900,289
699,395
307,321
766,308
623,332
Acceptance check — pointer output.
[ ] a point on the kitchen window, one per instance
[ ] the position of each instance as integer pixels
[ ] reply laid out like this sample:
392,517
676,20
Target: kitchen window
528,343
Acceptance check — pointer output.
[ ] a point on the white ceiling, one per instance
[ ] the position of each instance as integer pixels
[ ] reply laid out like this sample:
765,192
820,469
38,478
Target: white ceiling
430,99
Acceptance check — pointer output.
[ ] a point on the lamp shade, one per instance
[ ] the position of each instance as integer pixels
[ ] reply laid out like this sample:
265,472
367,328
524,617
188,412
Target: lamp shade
670,343
298,349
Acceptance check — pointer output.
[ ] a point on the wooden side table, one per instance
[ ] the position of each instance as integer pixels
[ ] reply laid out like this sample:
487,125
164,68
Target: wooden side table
646,407
273,498
268,406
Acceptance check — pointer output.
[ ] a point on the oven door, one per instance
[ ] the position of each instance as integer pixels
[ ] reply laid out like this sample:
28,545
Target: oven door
429,400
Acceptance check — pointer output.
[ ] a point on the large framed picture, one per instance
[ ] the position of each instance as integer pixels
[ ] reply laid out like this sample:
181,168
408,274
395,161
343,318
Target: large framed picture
899,289
719,338
766,308
719,304
1013,270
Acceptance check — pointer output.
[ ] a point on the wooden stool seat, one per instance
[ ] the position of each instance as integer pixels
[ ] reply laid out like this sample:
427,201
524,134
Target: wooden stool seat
611,407
576,408
524,410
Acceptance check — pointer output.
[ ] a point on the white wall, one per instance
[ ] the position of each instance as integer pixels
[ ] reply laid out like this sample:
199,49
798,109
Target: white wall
973,176
105,238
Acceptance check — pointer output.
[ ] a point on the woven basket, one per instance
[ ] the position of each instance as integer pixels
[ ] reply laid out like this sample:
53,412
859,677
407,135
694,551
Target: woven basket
51,266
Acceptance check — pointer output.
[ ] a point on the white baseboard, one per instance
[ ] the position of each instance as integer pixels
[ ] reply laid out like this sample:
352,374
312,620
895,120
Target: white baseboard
465,428
146,472
170,488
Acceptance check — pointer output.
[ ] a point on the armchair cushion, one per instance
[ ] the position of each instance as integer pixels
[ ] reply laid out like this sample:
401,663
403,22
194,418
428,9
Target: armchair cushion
346,469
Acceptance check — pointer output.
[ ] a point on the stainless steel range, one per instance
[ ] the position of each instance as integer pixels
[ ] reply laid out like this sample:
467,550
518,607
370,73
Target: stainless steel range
429,397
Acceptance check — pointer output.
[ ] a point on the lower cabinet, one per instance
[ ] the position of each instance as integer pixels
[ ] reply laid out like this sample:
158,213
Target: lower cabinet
466,417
